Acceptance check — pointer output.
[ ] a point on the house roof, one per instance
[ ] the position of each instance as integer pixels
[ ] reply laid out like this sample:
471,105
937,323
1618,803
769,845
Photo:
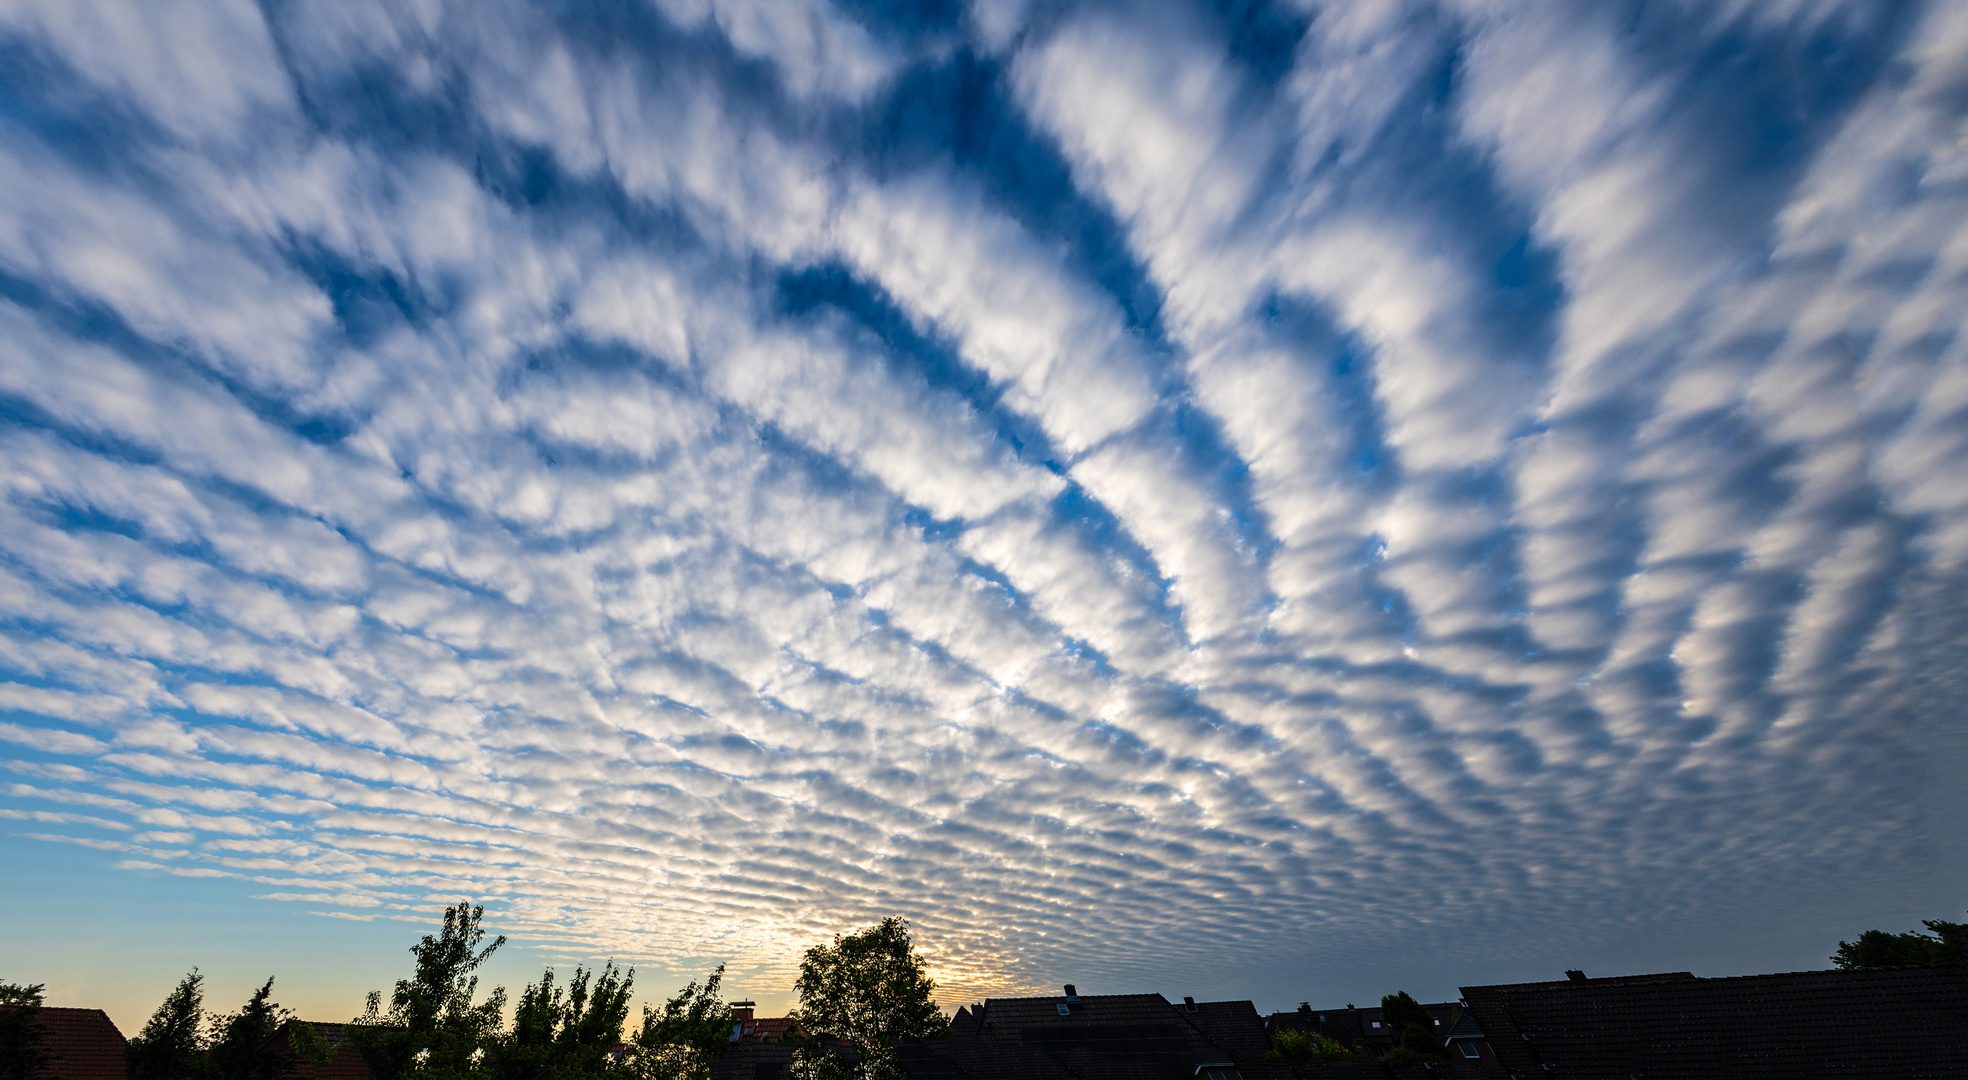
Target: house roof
1098,1037
766,1028
752,1060
1350,1026
80,1044
755,1059
347,1064
1883,1022
1233,1025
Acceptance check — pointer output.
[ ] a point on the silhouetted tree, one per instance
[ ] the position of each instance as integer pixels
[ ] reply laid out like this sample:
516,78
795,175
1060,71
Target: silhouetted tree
679,1042
22,1038
869,988
565,1033
1415,1040
433,1030
1877,948
170,1046
237,1048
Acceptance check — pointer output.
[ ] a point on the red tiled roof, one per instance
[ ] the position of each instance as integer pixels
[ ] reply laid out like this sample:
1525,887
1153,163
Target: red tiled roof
766,1028
81,1044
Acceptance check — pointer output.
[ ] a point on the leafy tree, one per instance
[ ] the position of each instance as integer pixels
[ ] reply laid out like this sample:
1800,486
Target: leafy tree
21,1033
1414,1031
566,1032
869,988
679,1042
169,1046
1877,948
1295,1047
234,1049
432,1030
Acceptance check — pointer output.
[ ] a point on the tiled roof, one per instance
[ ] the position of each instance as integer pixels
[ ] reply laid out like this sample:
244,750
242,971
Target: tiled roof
347,1064
1884,1022
1349,1026
1341,1025
766,1028
752,1061
80,1044
757,1060
1100,1037
1233,1025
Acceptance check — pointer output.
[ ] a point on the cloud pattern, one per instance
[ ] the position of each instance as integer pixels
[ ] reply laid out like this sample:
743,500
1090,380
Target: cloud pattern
1123,486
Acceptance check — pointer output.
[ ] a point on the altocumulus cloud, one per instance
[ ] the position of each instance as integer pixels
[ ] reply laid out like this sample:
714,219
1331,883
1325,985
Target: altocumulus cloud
1133,488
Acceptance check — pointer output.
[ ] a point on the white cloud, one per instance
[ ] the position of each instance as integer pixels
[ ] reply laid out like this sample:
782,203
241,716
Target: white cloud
1178,514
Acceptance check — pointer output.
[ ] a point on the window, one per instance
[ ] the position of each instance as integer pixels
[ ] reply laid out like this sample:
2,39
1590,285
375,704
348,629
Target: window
1215,1074
1065,1009
1376,1023
1469,1050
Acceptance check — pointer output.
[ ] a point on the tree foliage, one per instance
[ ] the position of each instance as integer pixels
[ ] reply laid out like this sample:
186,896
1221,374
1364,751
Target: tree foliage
869,988
1295,1047
182,1041
236,1048
22,1056
1415,1040
565,1032
679,1041
433,1029
171,1043
1877,948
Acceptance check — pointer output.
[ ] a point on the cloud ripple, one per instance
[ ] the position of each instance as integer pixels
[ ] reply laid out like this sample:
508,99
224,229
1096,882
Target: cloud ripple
1125,489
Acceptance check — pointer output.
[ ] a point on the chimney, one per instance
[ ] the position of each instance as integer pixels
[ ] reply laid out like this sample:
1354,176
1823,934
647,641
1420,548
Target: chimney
1188,1004
1071,993
743,1009
1575,975
1305,1007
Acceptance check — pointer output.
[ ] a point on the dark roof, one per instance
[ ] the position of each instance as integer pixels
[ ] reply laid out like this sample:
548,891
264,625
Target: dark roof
347,1064
753,1060
80,1044
1233,1025
1464,1026
1100,1037
1883,1022
1351,1026
1340,1025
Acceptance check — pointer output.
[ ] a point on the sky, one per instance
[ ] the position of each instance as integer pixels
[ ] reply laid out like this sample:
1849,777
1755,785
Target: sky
1287,501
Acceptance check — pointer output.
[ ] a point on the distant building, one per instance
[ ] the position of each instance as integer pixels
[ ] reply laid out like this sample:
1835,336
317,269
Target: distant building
1855,1025
1105,1037
80,1044
1458,1031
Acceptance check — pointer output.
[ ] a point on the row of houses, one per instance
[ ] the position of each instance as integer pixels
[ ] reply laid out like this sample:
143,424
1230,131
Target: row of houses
1882,1022
1908,1022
